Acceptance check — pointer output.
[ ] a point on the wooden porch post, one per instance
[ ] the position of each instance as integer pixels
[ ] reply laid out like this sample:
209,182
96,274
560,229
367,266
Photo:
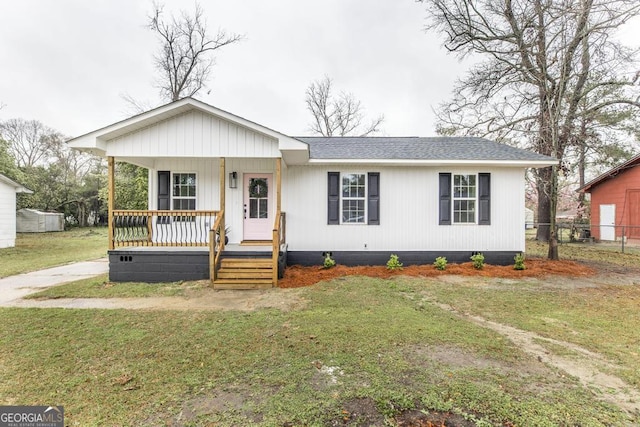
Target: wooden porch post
276,232
223,175
278,185
111,198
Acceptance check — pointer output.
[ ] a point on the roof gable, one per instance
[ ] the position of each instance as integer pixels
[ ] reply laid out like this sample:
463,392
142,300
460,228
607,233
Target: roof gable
104,140
610,174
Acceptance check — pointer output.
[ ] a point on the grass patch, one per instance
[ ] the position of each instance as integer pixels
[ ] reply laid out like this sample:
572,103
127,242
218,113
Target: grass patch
100,287
35,251
602,319
357,339
610,253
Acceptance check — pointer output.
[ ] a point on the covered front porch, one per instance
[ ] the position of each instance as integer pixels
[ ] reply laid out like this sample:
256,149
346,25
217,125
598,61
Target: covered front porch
193,244
212,175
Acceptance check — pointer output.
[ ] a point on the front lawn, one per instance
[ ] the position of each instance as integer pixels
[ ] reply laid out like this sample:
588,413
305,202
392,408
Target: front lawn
101,287
359,351
35,251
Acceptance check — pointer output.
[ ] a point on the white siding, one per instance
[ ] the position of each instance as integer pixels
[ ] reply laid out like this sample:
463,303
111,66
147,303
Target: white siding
194,134
408,212
7,216
208,187
408,207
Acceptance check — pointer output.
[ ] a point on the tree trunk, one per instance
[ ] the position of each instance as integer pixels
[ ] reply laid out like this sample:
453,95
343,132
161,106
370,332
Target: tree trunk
553,204
543,187
582,164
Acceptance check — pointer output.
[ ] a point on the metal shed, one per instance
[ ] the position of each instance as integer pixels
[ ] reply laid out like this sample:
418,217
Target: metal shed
34,221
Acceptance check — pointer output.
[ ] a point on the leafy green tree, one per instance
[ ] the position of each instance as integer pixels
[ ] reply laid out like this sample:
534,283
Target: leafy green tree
8,166
131,187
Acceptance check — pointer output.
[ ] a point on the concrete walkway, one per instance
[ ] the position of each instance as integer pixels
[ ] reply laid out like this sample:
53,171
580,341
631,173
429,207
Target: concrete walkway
14,288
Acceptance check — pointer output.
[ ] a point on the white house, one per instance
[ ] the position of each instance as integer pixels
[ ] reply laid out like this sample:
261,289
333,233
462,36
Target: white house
293,199
8,191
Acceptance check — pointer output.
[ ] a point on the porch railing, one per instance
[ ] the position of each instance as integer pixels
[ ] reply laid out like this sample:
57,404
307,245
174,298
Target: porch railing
279,239
161,228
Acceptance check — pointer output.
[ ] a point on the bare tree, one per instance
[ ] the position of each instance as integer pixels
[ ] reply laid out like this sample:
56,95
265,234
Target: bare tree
337,115
31,142
185,57
540,62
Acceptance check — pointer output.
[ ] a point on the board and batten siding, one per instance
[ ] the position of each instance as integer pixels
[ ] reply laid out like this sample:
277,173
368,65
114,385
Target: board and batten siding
208,187
7,216
206,170
194,134
409,200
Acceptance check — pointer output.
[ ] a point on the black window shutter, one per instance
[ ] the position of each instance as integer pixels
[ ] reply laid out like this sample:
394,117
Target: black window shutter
164,190
373,199
333,199
484,198
445,199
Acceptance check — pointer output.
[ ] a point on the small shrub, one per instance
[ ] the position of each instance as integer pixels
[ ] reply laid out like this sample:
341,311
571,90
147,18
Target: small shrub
478,261
328,261
394,263
440,263
519,262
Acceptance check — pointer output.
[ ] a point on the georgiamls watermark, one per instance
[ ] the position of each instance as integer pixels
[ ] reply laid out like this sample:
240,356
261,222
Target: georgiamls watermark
31,416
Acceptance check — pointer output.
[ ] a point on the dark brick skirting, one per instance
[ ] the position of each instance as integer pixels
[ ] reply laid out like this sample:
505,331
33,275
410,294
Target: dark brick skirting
172,266
160,266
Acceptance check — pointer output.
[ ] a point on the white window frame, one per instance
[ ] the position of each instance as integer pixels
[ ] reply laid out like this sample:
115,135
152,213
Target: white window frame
455,198
349,198
174,197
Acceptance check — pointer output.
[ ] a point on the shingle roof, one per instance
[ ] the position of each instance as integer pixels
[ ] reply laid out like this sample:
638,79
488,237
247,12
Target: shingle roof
417,148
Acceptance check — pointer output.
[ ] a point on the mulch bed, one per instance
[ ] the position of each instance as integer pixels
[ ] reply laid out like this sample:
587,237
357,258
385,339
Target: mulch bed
298,276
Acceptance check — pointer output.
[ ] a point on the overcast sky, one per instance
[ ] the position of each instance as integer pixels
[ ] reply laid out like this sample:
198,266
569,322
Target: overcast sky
67,63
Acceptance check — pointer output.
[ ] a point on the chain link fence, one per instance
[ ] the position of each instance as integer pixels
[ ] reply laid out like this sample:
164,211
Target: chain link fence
623,237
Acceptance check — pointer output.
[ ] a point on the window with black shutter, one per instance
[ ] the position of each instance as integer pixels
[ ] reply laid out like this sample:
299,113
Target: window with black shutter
353,198
465,198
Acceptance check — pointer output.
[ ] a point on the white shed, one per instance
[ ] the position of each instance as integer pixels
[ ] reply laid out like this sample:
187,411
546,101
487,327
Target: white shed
8,191
528,218
34,221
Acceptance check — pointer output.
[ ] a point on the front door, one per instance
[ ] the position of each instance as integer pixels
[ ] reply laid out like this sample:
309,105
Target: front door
258,222
607,222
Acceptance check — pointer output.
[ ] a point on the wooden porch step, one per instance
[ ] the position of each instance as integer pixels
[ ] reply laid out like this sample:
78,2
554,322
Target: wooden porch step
244,273
246,263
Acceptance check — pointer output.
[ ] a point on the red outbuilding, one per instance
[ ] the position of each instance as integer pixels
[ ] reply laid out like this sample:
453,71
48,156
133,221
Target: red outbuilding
615,202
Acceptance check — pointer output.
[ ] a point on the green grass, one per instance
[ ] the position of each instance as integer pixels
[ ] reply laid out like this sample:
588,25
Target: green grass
35,251
610,253
100,287
602,319
131,368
